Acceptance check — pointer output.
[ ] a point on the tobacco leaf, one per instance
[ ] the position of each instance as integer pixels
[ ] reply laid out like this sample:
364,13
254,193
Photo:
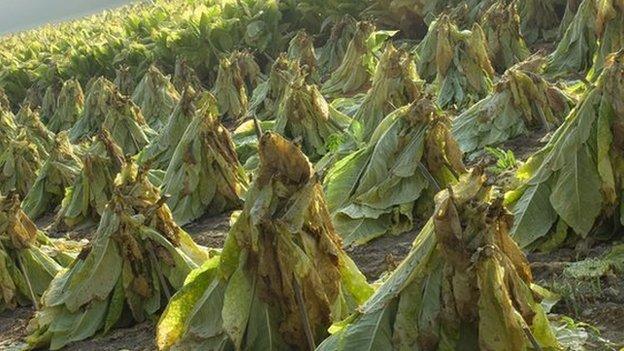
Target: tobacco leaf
464,284
281,245
138,255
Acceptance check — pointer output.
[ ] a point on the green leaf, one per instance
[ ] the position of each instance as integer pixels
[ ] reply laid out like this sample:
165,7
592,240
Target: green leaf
173,323
533,214
576,196
373,332
262,331
237,303
115,307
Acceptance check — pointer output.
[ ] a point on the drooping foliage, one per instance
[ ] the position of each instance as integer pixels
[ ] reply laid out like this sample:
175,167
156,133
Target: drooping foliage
8,127
282,278
384,186
125,124
19,162
305,116
230,89
395,84
98,94
267,95
28,258
571,8
5,104
353,74
464,285
538,20
86,199
138,257
574,184
204,175
596,31
68,107
301,48
463,72
160,150
185,76
124,80
156,97
249,68
49,100
522,101
37,132
505,43
58,172
331,54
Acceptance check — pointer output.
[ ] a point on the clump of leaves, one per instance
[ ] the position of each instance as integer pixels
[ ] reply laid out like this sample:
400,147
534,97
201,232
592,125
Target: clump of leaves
28,258
5,104
612,35
505,160
19,163
301,48
282,278
92,189
126,125
124,80
395,84
99,93
354,72
49,100
37,131
596,31
426,50
58,172
185,76
463,72
159,152
464,284
33,97
331,54
382,186
250,71
538,20
505,44
230,89
522,101
204,175
156,97
268,94
305,116
68,107
8,127
137,259
573,184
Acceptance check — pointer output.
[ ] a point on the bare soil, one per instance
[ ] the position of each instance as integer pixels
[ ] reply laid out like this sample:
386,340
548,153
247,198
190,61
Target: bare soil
598,302
382,254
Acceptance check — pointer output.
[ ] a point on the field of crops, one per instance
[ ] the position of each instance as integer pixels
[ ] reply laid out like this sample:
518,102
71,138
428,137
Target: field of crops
315,175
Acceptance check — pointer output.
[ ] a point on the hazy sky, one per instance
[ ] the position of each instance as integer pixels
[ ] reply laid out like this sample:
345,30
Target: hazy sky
16,15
